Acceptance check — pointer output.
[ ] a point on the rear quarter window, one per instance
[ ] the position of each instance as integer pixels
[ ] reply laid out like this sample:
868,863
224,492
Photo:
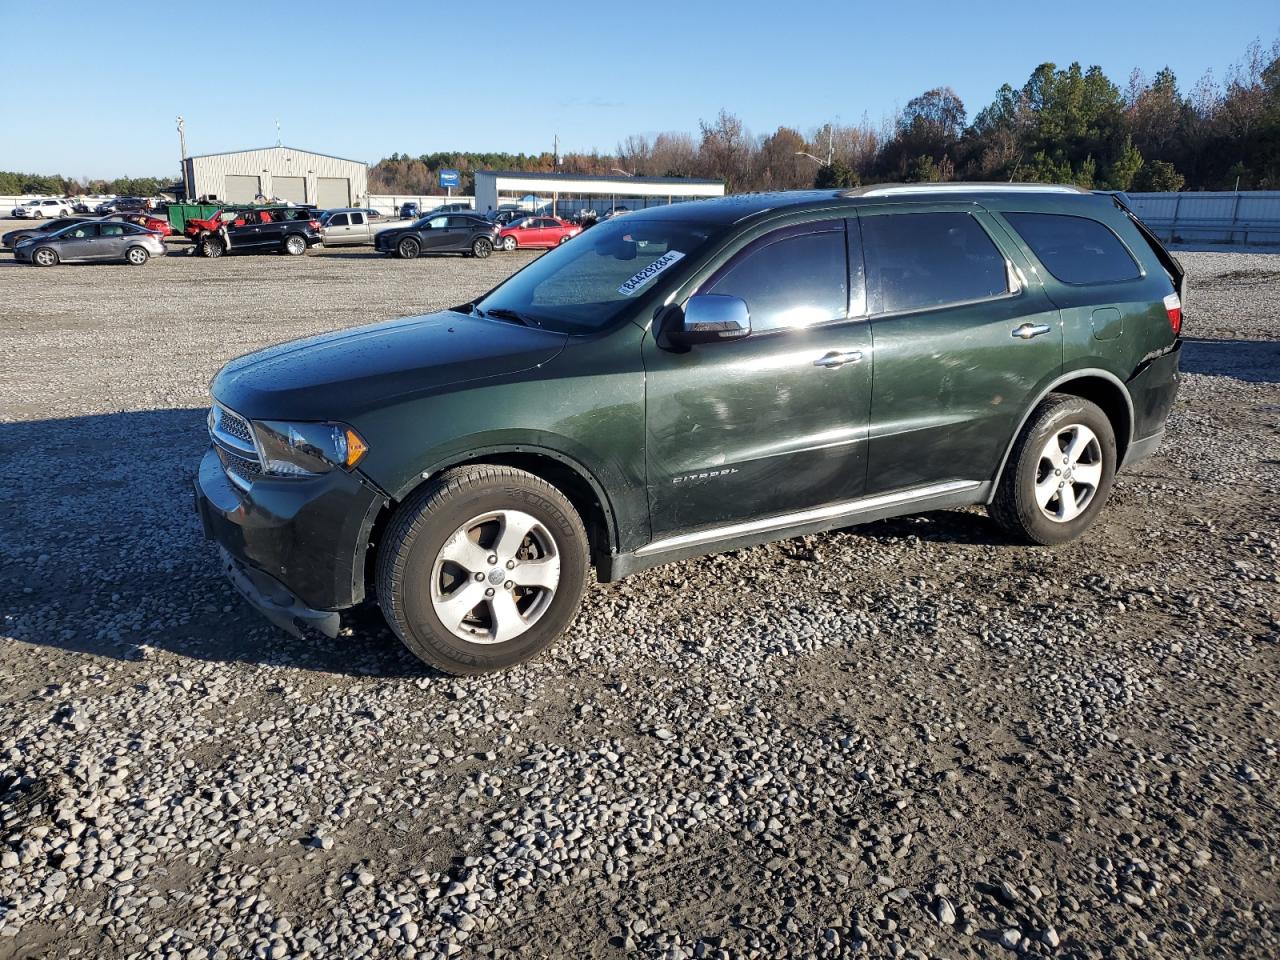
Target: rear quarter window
1075,249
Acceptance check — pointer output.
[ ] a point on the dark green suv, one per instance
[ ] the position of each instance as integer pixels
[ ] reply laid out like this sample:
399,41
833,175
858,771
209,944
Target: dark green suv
688,380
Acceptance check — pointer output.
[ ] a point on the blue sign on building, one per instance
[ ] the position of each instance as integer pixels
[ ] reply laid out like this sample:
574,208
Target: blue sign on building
449,178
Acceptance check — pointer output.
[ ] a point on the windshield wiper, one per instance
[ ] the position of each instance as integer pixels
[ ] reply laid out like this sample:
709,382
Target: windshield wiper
502,313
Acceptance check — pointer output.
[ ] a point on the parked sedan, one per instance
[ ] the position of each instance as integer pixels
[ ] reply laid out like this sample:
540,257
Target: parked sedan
39,209
471,235
10,239
537,232
91,241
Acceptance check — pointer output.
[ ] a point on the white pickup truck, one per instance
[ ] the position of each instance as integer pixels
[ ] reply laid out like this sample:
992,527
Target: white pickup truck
339,227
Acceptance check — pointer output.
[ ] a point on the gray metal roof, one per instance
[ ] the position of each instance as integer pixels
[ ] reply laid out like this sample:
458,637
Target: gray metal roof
614,178
275,146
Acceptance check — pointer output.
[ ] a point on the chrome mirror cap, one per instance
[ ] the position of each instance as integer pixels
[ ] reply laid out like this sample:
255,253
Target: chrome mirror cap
712,318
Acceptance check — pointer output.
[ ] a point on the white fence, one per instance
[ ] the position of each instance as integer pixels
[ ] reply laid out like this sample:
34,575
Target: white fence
1227,216
390,204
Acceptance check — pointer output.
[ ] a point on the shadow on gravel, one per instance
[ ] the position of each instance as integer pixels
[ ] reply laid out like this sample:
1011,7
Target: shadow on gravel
943,526
101,553
1254,361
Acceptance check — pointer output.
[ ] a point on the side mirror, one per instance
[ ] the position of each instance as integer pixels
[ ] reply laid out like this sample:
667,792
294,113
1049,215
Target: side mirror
711,318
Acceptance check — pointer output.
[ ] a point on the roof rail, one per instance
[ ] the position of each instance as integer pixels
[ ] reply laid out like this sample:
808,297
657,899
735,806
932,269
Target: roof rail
899,189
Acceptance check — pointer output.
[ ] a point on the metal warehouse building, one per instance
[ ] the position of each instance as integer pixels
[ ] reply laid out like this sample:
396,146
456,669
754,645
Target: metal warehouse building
278,173
565,194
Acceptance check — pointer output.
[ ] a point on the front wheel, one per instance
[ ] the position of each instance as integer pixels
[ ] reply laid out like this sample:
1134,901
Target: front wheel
39,215
294,245
408,248
136,256
1059,473
509,243
482,569
565,239
482,248
45,257
211,246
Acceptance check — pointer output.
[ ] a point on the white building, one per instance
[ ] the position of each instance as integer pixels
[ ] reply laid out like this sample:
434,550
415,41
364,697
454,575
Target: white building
278,173
567,194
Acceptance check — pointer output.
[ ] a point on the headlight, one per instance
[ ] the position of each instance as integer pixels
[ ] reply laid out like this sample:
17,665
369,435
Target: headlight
307,449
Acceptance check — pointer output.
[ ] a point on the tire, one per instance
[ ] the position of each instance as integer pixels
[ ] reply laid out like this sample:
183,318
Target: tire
481,248
294,245
426,562
136,256
39,214
408,249
211,246
509,243
44,257
565,239
1059,473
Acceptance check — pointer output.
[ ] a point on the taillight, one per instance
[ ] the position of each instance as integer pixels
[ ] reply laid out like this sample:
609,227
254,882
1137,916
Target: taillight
1173,307
315,224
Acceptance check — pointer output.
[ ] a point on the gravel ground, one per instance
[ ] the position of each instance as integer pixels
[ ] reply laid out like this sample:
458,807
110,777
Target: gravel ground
906,739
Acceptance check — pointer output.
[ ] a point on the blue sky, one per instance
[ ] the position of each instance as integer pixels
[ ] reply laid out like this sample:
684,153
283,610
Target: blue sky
366,79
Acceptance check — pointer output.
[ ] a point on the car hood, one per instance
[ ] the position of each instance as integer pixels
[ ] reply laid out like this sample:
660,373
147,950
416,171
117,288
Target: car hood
336,376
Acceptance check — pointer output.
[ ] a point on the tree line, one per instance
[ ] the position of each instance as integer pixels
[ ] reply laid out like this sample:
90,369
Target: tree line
1063,125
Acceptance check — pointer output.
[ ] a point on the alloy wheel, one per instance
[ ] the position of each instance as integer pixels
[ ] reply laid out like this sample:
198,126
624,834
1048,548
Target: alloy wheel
1068,472
495,576
45,257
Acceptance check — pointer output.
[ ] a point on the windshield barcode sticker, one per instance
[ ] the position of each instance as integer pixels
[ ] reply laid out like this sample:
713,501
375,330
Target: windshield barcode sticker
649,272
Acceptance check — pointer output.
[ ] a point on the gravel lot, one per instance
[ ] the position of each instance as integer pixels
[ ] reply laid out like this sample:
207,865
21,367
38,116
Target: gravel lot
910,738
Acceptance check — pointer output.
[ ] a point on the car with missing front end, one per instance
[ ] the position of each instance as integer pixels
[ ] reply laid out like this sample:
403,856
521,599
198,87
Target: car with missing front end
693,379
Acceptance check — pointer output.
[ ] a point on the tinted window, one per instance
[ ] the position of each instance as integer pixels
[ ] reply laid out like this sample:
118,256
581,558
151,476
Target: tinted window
339,220
464,222
790,279
80,232
921,260
357,218
1075,249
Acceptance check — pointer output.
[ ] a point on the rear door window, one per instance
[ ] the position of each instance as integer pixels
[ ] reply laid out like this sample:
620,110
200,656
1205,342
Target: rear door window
796,277
917,261
1075,249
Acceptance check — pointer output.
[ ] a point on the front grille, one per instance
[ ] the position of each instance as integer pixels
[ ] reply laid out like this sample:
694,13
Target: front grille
240,471
235,425
233,439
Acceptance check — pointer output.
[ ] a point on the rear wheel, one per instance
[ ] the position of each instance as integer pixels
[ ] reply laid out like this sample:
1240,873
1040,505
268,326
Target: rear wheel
1059,473
482,569
566,238
45,257
136,256
408,248
509,243
294,245
482,248
211,246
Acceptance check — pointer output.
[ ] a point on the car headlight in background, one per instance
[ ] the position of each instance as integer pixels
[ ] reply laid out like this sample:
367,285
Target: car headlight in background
306,449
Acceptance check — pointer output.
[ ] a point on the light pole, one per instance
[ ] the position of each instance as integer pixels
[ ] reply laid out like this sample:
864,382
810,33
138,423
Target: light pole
182,145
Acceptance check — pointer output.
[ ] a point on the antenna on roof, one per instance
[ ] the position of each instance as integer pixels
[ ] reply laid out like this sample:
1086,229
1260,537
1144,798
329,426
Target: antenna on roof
279,143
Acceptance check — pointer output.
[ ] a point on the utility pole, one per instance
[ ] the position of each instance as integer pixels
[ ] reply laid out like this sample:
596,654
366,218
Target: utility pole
182,145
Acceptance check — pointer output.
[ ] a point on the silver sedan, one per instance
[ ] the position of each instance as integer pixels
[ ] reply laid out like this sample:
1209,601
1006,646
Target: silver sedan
94,241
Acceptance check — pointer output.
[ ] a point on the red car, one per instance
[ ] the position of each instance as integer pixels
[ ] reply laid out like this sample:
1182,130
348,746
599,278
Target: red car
148,221
536,232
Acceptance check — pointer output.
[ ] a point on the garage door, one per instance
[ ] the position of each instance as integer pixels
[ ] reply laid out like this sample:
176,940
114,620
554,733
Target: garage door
290,188
333,192
241,189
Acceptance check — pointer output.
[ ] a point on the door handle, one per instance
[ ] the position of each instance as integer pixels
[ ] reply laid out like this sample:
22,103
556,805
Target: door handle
837,359
1029,330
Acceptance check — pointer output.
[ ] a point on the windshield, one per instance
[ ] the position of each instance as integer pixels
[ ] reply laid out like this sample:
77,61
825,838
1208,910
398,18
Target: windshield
583,285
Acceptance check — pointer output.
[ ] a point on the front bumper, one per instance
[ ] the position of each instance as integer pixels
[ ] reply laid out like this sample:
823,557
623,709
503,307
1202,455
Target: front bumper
294,548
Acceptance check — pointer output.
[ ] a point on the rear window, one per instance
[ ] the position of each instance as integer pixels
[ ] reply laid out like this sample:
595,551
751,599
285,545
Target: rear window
1075,249
916,261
